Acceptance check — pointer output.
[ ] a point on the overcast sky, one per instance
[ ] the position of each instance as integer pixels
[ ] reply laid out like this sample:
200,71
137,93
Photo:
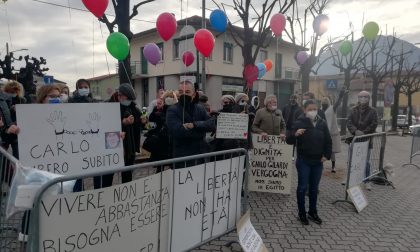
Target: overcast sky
73,42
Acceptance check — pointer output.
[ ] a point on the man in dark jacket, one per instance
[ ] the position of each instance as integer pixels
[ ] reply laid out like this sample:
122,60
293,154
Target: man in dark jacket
188,123
291,112
363,119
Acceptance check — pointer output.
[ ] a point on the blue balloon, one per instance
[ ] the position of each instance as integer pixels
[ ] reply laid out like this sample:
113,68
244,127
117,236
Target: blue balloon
261,70
218,20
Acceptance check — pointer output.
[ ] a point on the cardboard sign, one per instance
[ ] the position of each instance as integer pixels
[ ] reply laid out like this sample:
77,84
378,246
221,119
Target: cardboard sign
358,163
232,126
249,239
357,197
70,139
271,165
130,217
207,201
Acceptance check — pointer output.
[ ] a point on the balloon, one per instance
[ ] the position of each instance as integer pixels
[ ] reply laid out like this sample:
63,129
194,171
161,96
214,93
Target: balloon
188,58
370,31
204,41
166,25
277,24
268,64
261,70
97,7
346,47
320,24
302,57
152,53
218,20
250,74
118,45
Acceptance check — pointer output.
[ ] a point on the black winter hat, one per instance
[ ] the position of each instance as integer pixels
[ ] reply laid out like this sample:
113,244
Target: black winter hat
127,90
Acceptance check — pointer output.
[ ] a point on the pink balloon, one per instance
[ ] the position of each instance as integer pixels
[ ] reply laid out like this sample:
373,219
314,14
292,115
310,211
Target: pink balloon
97,7
166,25
250,74
302,57
152,53
188,58
277,24
204,41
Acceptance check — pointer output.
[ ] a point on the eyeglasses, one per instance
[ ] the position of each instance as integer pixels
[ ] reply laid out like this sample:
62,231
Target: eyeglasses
53,96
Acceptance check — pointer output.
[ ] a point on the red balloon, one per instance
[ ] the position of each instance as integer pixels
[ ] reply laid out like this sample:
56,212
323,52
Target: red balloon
204,41
166,25
188,58
250,74
277,24
97,7
268,64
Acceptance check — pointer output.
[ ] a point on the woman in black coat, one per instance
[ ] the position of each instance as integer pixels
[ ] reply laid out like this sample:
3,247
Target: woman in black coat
313,142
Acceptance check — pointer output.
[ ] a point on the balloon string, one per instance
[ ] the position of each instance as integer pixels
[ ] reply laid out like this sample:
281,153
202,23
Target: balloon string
126,73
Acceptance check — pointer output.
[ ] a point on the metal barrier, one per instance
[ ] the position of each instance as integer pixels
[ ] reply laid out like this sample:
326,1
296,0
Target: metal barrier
365,161
9,228
415,145
208,160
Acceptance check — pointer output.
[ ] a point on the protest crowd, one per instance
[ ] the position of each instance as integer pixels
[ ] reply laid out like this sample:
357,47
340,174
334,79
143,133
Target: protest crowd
181,123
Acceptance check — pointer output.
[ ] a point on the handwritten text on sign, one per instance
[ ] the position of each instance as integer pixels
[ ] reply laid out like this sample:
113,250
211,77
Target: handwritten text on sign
249,239
232,126
70,139
271,165
207,201
358,163
125,217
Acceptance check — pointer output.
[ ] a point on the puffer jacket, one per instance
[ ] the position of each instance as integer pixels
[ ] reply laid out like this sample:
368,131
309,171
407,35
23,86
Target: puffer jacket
270,122
365,120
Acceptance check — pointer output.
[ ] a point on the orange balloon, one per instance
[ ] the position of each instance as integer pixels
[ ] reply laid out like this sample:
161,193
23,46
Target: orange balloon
268,64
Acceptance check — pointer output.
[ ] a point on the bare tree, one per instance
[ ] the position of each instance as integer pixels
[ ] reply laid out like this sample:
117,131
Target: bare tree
298,34
256,33
411,85
122,21
350,65
376,67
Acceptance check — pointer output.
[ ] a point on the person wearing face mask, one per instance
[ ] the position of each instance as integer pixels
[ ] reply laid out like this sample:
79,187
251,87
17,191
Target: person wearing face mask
363,119
188,124
64,93
82,93
310,96
313,142
331,115
269,120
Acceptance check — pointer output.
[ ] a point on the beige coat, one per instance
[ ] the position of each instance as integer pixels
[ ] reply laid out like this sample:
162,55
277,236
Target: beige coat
331,117
270,122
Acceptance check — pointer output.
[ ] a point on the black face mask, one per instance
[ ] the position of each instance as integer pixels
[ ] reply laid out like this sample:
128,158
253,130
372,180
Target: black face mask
227,107
242,107
324,106
185,100
293,102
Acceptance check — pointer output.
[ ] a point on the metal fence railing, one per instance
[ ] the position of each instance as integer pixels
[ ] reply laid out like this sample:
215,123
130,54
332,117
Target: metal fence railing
365,161
214,190
415,146
9,228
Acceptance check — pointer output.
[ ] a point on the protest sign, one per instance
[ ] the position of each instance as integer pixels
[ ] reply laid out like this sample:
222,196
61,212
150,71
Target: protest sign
70,139
249,239
207,201
357,197
358,163
130,217
271,165
232,126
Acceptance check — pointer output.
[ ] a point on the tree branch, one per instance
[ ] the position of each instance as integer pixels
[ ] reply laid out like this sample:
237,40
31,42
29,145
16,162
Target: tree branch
136,6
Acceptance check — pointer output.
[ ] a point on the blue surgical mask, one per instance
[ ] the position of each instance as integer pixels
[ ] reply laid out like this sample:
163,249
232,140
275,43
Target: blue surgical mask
125,103
54,100
84,91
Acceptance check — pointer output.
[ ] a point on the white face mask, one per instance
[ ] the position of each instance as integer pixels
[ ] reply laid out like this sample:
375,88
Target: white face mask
364,100
273,108
125,102
169,101
64,97
84,91
312,114
303,102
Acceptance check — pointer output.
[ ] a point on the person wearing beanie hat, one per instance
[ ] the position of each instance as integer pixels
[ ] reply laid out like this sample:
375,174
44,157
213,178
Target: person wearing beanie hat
128,91
269,120
82,93
227,102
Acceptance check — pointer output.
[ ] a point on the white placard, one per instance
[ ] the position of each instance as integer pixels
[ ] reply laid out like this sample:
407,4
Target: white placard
125,218
358,163
207,201
357,197
249,239
271,165
232,126
70,139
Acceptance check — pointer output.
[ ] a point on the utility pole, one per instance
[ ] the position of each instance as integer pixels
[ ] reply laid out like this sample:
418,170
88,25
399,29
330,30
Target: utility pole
203,60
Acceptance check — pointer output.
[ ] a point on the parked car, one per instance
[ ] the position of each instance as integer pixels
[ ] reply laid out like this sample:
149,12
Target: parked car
402,121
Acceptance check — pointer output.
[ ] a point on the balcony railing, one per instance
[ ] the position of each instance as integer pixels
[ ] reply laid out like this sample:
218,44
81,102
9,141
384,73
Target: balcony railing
291,73
136,69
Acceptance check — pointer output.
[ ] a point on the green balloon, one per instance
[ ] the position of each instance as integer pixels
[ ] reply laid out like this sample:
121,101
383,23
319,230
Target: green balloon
118,45
370,31
346,47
